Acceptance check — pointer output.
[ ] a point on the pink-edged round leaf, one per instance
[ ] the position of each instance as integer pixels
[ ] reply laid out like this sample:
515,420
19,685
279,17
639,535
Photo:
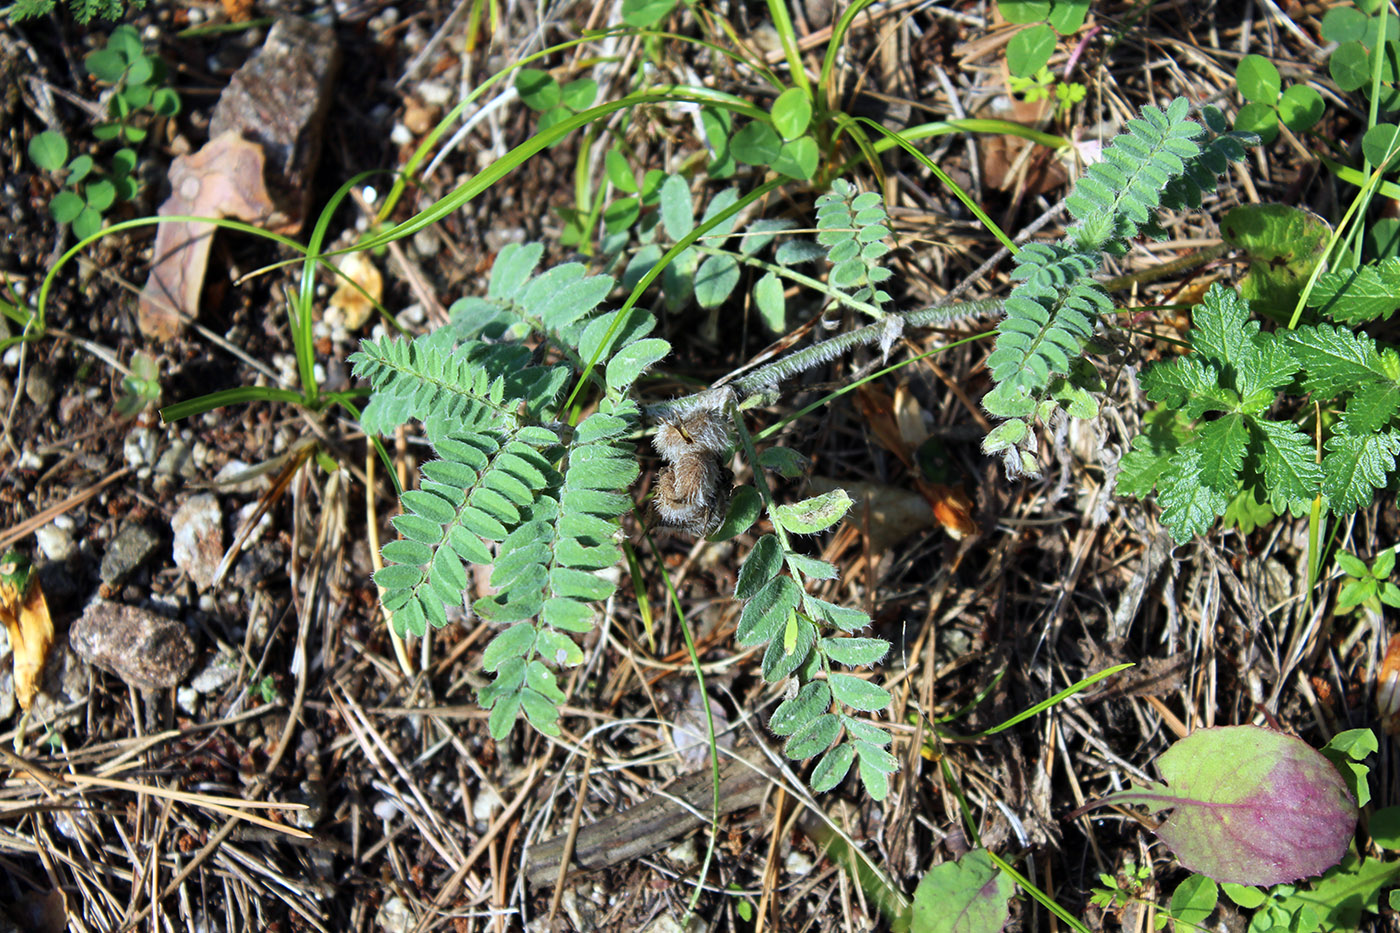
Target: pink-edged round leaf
1249,806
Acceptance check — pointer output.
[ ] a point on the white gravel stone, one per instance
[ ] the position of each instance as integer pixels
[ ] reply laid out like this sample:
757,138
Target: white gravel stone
54,542
199,538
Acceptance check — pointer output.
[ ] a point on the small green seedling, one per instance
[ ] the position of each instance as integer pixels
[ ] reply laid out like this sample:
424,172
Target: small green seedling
1040,85
1356,30
88,191
1367,587
1129,884
89,188
1297,107
138,83
1030,49
553,101
140,388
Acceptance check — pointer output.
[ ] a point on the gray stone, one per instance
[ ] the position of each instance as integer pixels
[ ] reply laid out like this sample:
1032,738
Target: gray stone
218,673
38,385
175,461
145,650
132,545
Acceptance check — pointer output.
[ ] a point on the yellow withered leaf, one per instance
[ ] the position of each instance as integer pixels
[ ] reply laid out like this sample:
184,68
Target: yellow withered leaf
25,613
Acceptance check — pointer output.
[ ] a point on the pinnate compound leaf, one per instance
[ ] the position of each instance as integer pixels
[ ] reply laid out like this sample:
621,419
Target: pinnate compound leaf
971,895
1249,806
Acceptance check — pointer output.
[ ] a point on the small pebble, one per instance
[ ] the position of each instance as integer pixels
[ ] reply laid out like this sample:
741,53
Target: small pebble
139,448
199,538
229,479
38,385
798,863
55,543
400,135
395,916
435,93
175,460
386,809
132,545
145,650
217,674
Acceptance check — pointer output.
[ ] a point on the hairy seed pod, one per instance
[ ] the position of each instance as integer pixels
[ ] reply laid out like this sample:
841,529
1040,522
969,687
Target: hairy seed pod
702,430
693,493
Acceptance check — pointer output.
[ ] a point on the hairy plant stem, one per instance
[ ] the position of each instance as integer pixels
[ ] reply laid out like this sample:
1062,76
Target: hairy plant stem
779,371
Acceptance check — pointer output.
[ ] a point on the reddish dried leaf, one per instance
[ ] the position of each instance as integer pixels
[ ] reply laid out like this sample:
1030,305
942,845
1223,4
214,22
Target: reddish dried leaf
224,179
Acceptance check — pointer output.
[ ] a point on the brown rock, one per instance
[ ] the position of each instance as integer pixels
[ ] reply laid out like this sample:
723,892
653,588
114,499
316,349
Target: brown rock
144,649
279,99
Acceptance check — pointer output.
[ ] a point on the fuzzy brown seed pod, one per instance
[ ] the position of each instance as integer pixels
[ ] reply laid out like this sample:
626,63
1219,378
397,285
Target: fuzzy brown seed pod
693,493
703,430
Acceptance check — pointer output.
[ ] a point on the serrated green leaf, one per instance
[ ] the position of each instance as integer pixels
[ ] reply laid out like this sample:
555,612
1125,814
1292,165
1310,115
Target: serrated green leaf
1287,460
1189,506
1222,444
1335,359
1355,467
1359,296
